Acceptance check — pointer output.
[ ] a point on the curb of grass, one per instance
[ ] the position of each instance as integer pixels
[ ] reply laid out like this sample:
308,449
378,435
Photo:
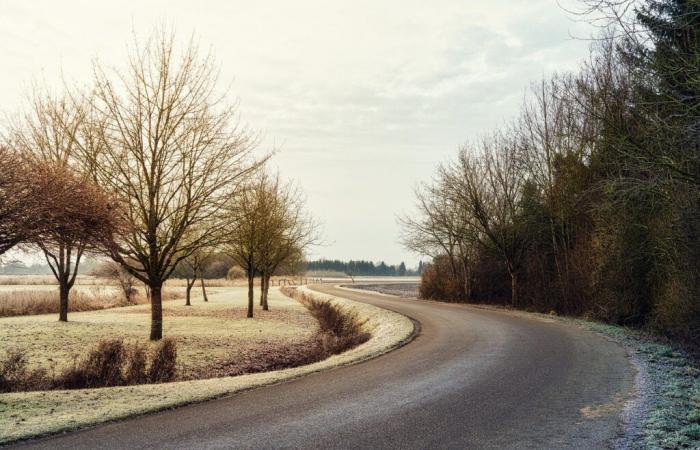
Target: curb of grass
28,415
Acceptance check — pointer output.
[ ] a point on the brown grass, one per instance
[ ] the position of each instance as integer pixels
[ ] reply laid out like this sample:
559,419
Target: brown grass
33,302
341,330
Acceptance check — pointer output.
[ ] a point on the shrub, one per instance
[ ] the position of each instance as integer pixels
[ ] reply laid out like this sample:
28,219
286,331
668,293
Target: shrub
135,371
340,329
110,363
101,367
16,376
438,281
163,362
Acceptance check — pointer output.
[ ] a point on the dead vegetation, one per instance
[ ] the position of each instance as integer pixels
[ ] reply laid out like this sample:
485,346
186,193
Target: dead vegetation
339,330
112,362
33,302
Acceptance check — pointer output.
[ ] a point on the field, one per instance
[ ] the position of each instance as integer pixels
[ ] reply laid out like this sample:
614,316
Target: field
213,338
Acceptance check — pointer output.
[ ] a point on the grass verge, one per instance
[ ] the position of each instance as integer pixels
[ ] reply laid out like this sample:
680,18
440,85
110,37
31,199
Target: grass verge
668,390
31,414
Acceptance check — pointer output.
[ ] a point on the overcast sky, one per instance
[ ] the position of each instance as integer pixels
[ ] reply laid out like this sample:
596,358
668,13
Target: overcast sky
362,98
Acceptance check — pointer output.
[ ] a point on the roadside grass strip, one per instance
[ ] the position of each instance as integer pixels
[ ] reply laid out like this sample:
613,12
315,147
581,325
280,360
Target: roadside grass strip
32,414
672,416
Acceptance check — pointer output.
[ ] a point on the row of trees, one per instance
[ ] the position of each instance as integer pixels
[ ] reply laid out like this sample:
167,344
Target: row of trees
360,267
147,165
588,202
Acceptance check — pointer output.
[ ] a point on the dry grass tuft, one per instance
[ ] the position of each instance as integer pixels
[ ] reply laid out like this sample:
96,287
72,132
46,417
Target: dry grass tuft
33,302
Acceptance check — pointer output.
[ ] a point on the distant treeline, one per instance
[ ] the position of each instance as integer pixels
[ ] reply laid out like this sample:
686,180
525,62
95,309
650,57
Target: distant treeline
360,268
21,268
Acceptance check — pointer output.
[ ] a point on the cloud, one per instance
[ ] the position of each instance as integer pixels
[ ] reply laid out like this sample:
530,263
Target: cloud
363,97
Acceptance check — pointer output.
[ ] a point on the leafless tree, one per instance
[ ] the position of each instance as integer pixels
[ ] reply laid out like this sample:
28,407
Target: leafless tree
171,148
77,216
286,232
193,268
21,200
440,226
244,218
489,186
125,280
83,219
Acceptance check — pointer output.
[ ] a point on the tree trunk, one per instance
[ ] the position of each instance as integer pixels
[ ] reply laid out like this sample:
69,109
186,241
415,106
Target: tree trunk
514,289
265,289
63,299
204,290
262,289
188,293
156,311
251,294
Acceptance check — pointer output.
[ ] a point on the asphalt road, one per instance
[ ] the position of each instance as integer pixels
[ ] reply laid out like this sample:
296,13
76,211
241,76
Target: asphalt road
472,378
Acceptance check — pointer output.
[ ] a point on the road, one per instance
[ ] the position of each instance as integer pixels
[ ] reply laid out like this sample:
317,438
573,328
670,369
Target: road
472,378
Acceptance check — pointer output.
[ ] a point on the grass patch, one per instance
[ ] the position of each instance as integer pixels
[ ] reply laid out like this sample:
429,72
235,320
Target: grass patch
674,414
30,414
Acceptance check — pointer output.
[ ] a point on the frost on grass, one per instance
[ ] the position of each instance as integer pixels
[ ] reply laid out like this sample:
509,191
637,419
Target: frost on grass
673,420
23,415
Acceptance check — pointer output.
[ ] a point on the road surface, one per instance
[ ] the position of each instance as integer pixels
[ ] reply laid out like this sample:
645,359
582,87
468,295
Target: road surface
472,378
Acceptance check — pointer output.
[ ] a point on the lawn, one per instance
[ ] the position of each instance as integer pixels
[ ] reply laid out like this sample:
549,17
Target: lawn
207,333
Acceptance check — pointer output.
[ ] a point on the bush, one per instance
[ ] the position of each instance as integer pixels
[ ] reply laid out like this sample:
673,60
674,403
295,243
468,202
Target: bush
340,330
15,376
101,367
110,363
236,273
135,371
438,281
163,362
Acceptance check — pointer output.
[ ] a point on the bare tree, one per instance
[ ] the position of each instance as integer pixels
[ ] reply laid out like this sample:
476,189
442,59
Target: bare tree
244,217
490,187
441,226
193,268
171,148
22,200
77,216
125,280
286,230
83,219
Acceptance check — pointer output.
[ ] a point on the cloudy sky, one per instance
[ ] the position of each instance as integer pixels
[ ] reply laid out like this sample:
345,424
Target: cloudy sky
362,98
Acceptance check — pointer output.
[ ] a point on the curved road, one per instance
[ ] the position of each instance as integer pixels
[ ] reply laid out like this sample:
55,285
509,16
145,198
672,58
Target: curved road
472,378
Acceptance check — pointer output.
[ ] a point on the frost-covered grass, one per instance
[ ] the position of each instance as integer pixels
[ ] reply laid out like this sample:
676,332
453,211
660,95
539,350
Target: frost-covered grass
29,414
673,418
205,333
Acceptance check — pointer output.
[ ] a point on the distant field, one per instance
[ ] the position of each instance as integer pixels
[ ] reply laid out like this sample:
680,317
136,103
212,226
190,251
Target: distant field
406,290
